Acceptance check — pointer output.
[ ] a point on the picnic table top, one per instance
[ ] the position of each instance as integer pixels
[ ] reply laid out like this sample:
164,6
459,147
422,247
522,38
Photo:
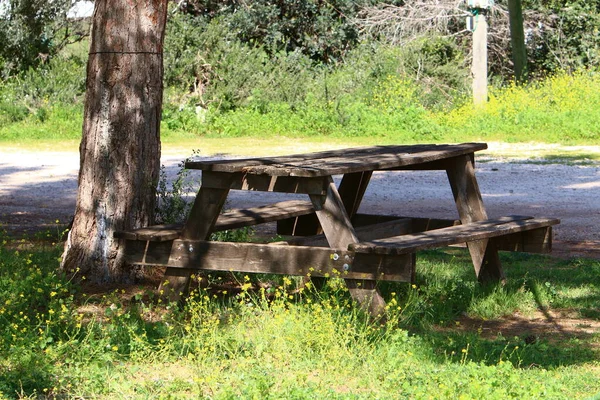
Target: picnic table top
343,161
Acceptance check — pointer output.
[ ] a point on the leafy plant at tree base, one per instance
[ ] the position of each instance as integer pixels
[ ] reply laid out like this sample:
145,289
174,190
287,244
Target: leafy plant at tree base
173,204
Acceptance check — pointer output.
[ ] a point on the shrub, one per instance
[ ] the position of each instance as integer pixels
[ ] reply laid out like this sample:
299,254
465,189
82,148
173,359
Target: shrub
560,109
323,31
33,32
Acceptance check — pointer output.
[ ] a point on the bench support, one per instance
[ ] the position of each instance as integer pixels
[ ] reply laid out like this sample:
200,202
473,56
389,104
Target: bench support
461,174
199,225
339,233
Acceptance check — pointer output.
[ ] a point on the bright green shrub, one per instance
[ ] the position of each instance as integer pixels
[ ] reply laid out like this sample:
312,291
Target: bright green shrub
33,96
213,69
560,109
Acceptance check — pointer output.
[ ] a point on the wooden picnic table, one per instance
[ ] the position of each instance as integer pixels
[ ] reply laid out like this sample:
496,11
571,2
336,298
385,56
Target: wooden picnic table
329,236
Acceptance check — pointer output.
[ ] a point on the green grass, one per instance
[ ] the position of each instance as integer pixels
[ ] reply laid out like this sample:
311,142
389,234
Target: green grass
236,340
560,110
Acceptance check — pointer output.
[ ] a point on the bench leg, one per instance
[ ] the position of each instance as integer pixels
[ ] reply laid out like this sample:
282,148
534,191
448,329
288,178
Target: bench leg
339,233
200,224
461,174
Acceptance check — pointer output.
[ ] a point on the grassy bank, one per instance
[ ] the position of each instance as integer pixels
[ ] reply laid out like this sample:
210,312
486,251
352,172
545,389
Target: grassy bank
268,337
560,110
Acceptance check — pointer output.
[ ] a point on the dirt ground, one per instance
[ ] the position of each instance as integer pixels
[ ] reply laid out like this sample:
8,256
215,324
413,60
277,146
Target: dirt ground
39,188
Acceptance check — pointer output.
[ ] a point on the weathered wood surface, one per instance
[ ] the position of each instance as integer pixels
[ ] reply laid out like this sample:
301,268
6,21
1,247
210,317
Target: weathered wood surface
452,235
467,196
367,228
231,219
533,241
352,189
239,218
265,183
340,233
398,226
184,255
154,233
340,161
200,224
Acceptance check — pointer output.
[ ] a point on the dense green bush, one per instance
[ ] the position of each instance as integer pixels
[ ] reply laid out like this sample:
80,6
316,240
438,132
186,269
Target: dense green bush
32,32
51,94
215,70
322,30
567,36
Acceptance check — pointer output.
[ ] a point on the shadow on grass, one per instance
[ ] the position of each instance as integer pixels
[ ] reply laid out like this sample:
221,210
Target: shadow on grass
462,320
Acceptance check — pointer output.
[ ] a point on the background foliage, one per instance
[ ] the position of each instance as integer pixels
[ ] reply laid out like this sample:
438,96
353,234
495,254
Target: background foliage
34,31
261,68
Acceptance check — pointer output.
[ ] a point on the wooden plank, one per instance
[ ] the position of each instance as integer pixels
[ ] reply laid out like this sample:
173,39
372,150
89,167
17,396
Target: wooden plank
264,183
231,219
333,218
461,174
239,218
452,235
229,165
419,224
155,233
352,190
339,233
182,255
533,241
304,225
398,226
340,161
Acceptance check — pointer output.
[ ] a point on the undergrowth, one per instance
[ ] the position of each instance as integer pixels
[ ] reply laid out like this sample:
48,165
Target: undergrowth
272,337
373,94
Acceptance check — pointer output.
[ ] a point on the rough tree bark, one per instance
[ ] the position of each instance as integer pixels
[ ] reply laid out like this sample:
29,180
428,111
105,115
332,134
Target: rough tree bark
120,148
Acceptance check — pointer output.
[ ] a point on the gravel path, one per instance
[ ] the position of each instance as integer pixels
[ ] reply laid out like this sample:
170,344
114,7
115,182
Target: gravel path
38,188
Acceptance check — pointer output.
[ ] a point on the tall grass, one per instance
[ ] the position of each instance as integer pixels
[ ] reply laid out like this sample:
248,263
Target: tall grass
560,109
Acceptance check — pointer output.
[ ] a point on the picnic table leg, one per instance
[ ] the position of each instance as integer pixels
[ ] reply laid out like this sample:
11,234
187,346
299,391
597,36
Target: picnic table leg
199,226
352,189
340,233
461,174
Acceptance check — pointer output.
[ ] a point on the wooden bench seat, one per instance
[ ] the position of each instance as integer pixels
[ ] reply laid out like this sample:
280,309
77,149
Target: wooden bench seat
231,219
487,229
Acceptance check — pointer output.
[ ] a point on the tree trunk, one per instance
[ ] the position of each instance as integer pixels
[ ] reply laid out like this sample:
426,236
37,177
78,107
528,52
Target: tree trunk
517,40
120,147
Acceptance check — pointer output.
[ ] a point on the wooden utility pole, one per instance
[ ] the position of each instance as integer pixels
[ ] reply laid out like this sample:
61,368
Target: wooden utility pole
479,67
517,40
120,147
